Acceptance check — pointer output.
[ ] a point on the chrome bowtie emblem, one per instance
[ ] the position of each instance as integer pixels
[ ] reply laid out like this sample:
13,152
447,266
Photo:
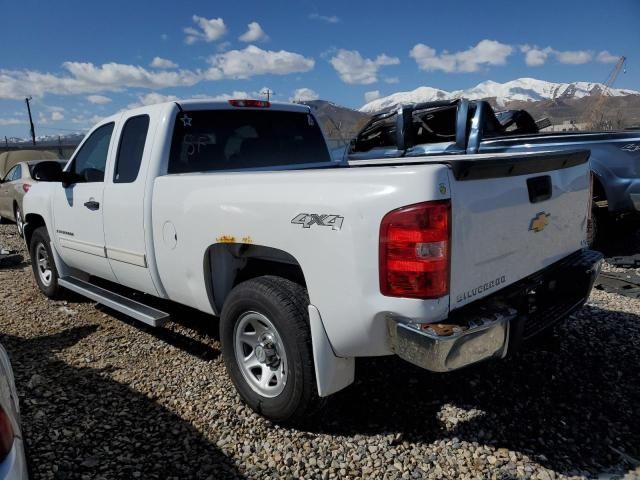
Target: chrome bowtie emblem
539,222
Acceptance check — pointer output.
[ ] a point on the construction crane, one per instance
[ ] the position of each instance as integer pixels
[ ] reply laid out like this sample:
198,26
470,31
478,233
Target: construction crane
595,116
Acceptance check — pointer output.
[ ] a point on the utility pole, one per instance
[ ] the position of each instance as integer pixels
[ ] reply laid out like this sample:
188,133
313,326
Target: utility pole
268,93
33,132
6,142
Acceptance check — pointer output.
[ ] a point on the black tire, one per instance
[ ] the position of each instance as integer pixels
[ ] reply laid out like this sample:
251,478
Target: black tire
17,214
40,240
285,304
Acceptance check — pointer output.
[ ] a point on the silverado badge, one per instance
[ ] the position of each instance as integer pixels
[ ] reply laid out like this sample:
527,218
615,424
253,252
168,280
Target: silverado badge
539,222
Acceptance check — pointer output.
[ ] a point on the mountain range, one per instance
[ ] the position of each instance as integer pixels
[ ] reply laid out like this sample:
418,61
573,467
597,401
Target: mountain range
501,94
560,102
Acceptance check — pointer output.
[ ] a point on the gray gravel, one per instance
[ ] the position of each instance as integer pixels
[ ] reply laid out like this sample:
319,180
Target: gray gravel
104,397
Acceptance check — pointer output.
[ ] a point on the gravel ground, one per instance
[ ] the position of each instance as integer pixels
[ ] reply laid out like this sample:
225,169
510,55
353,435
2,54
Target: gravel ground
104,397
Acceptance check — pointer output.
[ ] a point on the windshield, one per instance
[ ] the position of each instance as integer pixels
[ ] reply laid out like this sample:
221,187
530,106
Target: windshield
213,140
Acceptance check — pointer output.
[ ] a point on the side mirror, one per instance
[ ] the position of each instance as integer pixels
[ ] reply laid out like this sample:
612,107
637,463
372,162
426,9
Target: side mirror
47,172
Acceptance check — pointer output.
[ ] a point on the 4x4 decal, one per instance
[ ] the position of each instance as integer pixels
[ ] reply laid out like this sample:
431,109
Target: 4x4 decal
323,220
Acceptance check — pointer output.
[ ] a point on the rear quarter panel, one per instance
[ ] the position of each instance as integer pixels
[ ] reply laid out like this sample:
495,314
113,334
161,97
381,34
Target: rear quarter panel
340,266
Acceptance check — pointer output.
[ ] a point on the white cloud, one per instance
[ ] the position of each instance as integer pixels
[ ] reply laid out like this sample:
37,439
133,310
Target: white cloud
254,33
116,75
304,95
605,57
85,120
154,97
222,97
486,52
577,57
536,56
89,78
371,96
98,99
324,18
354,69
254,61
392,80
209,30
11,121
151,99
57,116
159,62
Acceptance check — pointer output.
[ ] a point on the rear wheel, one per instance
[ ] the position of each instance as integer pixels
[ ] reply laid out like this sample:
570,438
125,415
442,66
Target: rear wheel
44,267
266,343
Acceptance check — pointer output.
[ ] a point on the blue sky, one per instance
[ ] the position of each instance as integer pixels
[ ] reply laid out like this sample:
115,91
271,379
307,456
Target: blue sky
84,60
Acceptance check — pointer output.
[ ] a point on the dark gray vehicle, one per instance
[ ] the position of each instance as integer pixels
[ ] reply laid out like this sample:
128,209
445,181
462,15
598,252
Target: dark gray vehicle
462,126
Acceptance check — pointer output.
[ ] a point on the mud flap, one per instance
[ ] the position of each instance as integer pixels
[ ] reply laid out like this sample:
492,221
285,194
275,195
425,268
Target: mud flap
332,373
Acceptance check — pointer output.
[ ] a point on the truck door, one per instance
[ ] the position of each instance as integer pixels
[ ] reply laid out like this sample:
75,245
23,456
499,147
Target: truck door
77,207
124,199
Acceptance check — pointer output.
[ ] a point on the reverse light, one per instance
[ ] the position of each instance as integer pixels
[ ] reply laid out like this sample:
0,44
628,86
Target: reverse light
6,434
414,251
249,103
26,187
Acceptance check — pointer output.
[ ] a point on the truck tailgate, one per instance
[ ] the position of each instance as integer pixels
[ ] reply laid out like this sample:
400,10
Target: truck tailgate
513,217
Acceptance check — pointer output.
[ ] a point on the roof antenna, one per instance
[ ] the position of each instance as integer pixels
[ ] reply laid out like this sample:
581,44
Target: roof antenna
179,107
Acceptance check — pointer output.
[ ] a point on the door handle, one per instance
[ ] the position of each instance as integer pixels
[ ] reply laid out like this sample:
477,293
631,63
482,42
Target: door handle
92,205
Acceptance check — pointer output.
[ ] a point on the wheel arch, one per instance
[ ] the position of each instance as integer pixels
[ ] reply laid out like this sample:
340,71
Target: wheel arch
31,222
234,263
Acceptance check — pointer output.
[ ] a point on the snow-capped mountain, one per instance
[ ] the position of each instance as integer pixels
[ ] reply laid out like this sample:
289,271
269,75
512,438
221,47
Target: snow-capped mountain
65,139
521,89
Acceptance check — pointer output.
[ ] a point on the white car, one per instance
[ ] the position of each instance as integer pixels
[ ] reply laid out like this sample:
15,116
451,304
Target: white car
13,463
237,209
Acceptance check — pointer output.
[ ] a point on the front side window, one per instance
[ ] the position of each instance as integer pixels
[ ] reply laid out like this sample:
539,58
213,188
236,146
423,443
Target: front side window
130,150
90,162
213,140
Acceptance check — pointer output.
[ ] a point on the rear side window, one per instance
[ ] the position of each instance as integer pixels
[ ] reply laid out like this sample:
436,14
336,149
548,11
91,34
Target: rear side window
91,160
213,140
14,174
131,148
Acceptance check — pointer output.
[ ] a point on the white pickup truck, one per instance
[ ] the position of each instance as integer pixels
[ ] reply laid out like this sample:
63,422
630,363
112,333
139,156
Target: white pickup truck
236,209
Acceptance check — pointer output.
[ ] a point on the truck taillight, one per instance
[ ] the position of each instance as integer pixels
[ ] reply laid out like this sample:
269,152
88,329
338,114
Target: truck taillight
250,103
6,434
414,251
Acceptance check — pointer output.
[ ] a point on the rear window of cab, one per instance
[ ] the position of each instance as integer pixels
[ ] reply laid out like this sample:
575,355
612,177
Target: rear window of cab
216,140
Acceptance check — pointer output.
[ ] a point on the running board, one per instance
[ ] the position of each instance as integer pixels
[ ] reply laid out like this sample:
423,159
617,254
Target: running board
131,308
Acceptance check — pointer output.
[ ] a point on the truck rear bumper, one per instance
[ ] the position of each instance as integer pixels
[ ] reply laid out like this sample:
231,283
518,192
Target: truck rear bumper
495,325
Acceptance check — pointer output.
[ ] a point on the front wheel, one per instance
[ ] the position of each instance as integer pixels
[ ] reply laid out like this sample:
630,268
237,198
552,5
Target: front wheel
44,267
266,344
